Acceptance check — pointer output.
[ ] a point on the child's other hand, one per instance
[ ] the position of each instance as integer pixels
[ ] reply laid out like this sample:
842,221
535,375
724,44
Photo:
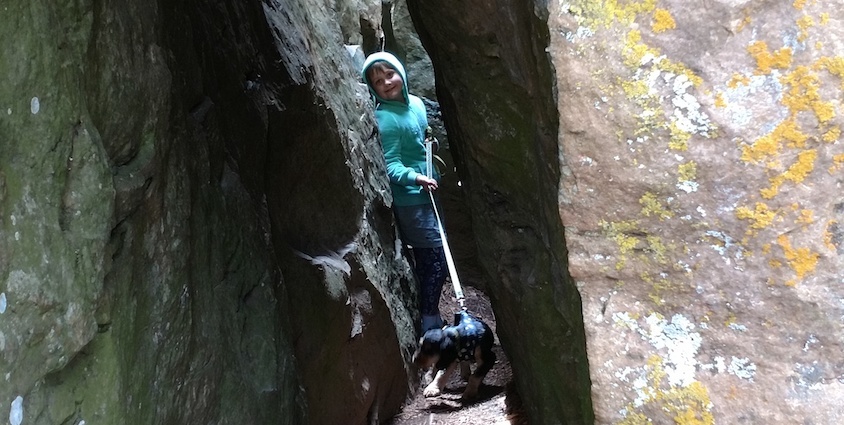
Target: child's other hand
426,182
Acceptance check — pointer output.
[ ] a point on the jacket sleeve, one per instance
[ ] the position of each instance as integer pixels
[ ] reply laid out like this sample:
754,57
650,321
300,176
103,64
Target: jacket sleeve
391,143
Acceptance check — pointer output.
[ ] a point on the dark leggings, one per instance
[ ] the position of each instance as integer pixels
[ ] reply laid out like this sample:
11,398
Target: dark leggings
431,270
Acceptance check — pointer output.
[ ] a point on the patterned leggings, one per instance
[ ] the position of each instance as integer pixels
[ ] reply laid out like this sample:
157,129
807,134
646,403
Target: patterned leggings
431,270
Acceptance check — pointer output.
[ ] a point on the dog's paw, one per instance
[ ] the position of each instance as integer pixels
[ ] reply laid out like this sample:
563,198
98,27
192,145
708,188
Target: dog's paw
469,395
431,391
471,391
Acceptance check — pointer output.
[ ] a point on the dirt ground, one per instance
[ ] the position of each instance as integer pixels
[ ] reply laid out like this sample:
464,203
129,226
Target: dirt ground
497,402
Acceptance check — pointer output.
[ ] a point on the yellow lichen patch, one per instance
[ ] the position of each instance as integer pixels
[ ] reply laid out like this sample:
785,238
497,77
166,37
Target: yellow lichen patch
802,260
737,80
796,173
799,4
760,217
663,21
634,50
803,94
806,217
635,89
829,235
832,135
679,138
657,249
689,405
837,163
775,264
804,23
824,18
687,172
619,232
606,12
769,145
719,100
652,206
835,65
767,61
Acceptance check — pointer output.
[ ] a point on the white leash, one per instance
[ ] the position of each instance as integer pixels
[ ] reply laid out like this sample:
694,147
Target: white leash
452,270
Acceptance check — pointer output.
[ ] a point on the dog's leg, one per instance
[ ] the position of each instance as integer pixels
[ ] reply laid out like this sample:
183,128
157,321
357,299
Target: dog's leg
436,386
484,362
465,370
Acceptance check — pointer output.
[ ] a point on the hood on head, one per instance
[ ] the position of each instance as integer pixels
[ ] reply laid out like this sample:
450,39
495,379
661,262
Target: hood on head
394,63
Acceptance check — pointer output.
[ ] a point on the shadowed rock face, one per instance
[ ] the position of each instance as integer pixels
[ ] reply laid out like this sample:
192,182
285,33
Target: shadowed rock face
193,222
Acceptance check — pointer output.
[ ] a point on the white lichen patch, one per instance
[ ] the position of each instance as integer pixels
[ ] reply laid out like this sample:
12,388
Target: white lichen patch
677,343
688,186
2,302
34,105
742,101
743,368
682,343
688,116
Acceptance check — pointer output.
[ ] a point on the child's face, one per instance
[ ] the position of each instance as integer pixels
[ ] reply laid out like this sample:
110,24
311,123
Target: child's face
386,82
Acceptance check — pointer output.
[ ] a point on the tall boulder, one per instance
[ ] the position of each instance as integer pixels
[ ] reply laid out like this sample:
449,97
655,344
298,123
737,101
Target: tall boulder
193,219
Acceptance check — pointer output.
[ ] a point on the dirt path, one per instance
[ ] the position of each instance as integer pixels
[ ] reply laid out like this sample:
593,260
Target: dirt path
497,402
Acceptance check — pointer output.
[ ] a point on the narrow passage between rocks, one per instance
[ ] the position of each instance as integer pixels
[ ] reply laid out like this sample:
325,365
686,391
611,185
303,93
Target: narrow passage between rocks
497,403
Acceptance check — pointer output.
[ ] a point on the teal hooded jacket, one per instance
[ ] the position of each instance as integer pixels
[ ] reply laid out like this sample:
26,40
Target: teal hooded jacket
402,126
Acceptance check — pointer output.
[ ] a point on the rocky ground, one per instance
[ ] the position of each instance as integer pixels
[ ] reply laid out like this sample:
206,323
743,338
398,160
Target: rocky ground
497,403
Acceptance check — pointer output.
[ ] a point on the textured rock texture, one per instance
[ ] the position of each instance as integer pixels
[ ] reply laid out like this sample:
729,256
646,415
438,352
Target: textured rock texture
701,194
193,226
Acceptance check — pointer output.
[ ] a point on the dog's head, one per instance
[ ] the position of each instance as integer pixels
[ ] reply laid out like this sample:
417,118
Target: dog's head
431,347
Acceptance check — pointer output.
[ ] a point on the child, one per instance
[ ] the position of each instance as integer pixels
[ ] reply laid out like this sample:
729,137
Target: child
402,121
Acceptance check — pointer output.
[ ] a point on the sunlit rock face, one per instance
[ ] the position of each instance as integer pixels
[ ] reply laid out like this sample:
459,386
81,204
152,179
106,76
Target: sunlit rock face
701,196
193,220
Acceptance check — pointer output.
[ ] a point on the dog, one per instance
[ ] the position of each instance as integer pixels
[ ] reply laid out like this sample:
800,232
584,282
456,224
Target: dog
469,341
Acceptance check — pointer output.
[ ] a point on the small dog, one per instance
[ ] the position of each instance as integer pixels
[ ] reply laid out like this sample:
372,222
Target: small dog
468,341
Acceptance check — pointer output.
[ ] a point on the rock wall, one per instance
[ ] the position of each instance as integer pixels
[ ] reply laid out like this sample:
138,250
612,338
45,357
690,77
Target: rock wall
701,194
192,224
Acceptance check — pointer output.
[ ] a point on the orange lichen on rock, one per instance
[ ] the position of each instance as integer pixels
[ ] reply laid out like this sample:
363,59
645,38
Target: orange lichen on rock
802,260
796,173
767,61
799,4
738,79
803,94
769,145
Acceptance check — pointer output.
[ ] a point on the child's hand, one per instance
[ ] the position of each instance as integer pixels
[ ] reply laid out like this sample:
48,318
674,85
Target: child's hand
426,182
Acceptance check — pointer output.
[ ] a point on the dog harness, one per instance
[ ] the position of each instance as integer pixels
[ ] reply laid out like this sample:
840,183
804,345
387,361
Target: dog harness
470,331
